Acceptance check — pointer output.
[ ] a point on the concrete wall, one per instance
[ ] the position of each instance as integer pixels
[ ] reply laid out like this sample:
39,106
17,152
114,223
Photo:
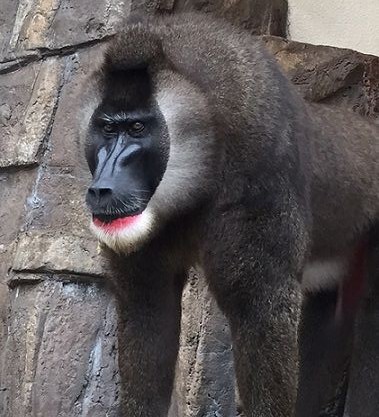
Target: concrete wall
343,23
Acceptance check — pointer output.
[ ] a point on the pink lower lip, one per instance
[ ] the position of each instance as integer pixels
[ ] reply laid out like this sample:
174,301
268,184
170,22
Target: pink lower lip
116,224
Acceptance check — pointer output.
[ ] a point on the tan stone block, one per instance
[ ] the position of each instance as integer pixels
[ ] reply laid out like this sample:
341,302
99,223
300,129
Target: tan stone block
58,253
55,24
27,109
61,357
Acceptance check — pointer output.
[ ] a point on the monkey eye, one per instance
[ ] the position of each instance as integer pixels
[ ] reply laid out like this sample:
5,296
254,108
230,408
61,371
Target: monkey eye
109,129
136,127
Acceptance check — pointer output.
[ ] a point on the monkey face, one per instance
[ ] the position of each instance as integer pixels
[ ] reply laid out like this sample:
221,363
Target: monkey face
127,152
150,149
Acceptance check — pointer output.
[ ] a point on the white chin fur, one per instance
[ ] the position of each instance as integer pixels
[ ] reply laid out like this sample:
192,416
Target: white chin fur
131,237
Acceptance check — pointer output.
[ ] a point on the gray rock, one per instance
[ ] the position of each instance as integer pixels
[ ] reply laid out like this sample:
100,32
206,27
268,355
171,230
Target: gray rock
52,25
257,16
7,19
28,101
333,75
61,351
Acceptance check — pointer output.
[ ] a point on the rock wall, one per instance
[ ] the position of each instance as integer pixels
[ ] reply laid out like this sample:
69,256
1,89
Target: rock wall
59,341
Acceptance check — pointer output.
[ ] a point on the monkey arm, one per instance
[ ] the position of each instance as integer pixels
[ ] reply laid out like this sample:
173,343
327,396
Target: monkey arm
265,353
255,281
149,298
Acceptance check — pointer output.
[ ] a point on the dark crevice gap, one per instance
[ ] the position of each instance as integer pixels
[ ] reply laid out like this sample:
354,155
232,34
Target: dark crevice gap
38,54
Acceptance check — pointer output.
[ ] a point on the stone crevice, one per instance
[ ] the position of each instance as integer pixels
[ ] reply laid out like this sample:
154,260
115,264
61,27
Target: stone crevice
9,65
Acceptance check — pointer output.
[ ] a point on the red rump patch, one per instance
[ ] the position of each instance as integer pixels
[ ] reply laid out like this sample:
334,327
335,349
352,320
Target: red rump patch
351,290
116,224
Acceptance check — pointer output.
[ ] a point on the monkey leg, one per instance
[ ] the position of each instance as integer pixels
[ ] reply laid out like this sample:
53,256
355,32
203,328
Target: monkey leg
149,301
261,298
363,391
314,335
324,353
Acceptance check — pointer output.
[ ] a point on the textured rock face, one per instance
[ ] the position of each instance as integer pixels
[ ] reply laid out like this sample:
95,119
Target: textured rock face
331,75
257,16
64,351
59,338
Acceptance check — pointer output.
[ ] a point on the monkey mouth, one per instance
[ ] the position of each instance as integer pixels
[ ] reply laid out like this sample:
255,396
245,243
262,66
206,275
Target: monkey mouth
109,218
113,223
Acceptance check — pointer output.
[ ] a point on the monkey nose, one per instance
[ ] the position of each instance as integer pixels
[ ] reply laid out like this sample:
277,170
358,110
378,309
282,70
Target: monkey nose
99,191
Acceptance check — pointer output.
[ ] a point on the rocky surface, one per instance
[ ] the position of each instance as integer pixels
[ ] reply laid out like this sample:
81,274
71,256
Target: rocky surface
59,338
256,16
330,75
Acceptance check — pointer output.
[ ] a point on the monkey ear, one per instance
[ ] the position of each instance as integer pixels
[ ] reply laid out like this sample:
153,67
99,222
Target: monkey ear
134,48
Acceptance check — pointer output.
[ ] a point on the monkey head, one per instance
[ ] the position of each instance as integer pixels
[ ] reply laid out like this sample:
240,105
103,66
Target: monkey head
149,142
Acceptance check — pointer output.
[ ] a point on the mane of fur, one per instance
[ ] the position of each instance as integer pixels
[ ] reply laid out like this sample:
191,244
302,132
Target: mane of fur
134,48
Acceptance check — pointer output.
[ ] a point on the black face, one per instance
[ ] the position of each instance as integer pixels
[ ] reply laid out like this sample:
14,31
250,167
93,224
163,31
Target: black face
127,150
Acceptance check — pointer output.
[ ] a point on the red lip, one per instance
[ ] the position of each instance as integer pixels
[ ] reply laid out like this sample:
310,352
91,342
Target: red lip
116,224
